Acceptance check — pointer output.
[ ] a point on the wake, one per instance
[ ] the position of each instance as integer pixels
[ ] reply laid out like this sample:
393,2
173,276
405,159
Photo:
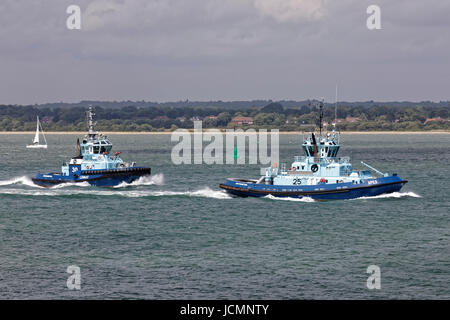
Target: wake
395,195
19,180
55,192
303,199
157,179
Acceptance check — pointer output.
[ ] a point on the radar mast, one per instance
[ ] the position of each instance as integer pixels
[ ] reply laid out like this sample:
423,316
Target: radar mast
90,120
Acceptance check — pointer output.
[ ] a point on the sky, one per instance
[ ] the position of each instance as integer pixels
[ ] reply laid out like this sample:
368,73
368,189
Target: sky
201,50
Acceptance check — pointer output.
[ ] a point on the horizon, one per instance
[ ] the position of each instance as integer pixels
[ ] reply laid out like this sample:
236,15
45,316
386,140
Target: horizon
228,101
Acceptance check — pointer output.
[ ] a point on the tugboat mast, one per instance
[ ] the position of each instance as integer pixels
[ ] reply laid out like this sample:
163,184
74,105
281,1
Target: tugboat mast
335,109
320,117
90,118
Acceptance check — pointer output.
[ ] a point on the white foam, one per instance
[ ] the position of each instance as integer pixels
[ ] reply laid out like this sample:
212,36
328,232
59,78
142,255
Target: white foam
19,180
208,193
394,195
303,199
43,192
204,192
157,179
71,184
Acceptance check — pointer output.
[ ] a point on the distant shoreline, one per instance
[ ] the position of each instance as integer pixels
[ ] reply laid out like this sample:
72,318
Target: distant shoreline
170,132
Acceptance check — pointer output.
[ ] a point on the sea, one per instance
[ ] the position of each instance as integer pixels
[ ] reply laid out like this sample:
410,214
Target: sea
177,235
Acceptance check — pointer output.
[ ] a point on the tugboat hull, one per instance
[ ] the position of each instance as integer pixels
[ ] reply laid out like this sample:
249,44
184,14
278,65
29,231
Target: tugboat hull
100,178
341,191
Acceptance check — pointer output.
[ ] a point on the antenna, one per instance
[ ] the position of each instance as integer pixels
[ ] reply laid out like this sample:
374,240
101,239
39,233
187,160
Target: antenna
335,107
321,116
90,120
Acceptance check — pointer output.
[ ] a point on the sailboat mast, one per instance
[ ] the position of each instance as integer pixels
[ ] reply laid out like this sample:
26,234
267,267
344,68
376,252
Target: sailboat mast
42,130
36,136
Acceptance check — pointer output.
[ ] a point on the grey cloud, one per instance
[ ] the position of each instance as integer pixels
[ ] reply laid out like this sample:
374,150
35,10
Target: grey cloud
223,49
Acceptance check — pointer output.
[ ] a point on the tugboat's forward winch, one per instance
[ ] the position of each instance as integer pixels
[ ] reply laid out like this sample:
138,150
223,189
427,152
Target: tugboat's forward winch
319,174
94,164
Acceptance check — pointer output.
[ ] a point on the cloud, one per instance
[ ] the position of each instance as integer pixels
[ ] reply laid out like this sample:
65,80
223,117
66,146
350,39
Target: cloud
222,49
200,29
102,13
292,10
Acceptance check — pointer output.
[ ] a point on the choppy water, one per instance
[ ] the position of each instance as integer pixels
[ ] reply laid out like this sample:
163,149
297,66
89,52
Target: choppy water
176,235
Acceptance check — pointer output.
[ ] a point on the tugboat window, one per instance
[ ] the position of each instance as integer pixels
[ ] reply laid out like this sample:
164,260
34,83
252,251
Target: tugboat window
96,149
305,149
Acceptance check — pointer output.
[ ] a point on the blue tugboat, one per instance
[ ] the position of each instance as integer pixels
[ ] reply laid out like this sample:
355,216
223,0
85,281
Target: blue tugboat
319,174
94,164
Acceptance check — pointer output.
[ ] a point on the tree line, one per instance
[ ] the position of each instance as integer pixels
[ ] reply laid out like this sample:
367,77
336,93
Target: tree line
133,117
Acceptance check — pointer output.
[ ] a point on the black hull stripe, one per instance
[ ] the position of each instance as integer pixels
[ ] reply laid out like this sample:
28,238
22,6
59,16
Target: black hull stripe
305,193
115,171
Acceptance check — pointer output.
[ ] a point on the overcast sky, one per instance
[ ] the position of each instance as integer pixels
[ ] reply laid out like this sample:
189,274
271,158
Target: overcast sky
168,50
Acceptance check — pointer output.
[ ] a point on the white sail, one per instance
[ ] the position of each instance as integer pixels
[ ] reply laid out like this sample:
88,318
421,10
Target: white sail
42,131
36,137
36,144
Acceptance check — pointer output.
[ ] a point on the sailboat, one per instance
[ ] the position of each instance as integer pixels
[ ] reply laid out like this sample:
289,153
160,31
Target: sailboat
36,144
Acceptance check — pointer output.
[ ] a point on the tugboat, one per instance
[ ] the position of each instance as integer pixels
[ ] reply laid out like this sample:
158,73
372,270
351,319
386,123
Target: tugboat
94,164
319,174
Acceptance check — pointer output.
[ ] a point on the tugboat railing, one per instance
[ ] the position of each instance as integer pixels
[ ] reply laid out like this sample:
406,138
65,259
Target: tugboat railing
344,160
323,160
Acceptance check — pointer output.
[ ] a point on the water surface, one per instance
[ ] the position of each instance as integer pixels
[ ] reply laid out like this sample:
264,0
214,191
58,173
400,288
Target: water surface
176,235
